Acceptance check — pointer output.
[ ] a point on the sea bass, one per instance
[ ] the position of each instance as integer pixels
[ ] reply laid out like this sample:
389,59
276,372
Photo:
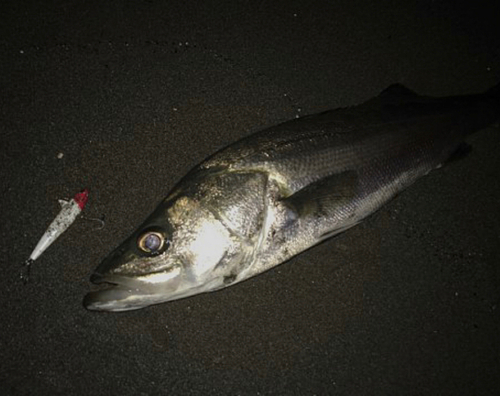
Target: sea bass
274,194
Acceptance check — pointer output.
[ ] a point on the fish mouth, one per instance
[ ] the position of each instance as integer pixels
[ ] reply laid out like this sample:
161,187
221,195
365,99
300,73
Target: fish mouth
116,293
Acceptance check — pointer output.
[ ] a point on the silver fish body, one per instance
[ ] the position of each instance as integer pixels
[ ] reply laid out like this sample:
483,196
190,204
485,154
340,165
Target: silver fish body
278,192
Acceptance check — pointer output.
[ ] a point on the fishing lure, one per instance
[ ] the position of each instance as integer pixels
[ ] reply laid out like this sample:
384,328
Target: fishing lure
68,214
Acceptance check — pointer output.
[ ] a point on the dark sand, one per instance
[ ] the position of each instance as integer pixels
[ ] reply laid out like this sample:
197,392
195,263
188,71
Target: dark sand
134,96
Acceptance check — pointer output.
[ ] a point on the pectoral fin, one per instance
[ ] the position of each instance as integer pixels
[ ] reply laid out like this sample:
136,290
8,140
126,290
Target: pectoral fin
325,197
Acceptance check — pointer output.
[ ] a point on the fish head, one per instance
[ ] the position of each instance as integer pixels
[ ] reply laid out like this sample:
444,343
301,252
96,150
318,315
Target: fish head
194,242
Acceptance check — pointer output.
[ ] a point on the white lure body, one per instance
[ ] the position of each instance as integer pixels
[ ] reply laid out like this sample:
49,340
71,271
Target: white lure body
68,214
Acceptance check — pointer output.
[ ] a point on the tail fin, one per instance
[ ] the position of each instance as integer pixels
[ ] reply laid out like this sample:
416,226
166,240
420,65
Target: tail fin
494,91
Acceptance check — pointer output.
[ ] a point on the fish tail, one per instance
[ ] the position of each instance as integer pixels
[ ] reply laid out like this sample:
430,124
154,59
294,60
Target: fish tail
493,95
494,91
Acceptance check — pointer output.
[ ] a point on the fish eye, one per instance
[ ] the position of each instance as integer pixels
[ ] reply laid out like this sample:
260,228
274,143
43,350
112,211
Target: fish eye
151,242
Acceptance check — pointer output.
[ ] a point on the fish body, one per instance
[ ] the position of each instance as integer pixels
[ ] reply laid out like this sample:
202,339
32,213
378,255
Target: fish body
280,191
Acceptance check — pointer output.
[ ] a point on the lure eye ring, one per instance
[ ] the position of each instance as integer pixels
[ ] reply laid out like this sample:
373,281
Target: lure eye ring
151,242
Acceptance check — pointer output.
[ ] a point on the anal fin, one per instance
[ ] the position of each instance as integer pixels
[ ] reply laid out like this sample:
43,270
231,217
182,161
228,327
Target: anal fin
461,152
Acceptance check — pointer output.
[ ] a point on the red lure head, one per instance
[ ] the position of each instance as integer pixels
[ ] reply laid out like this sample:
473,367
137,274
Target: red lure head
81,198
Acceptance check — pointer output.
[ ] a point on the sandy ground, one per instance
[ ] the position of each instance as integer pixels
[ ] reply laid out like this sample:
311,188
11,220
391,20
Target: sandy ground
125,99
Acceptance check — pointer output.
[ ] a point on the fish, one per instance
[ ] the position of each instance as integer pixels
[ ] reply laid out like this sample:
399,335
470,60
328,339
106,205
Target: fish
66,216
278,192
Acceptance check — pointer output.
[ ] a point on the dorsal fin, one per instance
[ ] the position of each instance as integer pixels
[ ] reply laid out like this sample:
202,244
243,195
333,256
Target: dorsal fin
395,94
397,91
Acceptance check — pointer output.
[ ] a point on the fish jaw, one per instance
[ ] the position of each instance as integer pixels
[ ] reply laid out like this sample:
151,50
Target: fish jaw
124,293
115,298
138,282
